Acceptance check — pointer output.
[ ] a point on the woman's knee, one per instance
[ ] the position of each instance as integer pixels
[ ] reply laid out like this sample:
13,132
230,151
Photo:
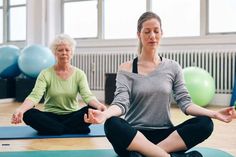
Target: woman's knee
28,115
206,125
112,125
119,132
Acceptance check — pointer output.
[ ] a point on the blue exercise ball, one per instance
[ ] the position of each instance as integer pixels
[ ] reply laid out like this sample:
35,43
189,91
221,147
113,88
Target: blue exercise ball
200,85
9,55
35,58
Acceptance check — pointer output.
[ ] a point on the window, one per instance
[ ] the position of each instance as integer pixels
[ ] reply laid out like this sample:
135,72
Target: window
117,19
1,21
121,18
179,18
80,19
17,20
12,20
221,16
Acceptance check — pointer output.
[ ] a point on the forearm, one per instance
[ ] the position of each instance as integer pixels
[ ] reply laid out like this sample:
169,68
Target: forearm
196,110
94,103
113,110
26,105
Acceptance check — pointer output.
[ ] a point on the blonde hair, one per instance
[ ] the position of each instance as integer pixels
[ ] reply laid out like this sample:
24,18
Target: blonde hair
63,39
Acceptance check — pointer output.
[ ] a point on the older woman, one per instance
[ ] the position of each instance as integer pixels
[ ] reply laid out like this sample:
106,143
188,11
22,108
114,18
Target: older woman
60,86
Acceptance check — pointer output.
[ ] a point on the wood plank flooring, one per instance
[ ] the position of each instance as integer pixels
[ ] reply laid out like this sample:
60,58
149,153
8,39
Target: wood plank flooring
223,137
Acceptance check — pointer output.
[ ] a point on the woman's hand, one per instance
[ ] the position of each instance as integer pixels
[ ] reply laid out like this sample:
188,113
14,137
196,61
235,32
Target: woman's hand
17,116
101,107
225,114
95,116
96,104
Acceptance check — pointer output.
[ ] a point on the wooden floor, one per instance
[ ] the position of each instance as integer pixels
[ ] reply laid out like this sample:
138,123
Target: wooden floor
223,137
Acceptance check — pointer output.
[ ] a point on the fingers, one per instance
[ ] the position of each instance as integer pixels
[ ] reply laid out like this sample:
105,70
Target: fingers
86,119
89,117
227,120
16,118
104,108
231,111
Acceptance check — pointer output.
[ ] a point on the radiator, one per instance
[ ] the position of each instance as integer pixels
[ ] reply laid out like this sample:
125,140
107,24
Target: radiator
219,63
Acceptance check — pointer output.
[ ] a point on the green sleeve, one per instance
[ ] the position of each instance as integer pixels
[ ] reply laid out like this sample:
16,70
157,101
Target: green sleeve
39,88
84,89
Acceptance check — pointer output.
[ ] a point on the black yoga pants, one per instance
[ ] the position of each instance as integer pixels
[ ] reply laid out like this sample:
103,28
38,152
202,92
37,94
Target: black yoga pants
193,131
47,123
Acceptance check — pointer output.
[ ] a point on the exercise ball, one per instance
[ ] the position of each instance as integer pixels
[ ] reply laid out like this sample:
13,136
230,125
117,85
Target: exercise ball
35,58
9,55
200,85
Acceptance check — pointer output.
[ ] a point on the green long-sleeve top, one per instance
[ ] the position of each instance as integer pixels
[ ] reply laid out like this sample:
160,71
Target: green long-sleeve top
60,96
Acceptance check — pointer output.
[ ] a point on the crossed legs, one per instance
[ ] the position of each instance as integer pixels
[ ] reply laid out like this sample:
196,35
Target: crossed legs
157,143
47,123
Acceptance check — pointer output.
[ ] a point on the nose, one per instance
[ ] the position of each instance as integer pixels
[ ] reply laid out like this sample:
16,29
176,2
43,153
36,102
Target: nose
63,52
152,35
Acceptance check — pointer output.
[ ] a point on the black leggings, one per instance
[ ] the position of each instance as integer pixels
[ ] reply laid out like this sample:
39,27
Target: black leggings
47,123
120,133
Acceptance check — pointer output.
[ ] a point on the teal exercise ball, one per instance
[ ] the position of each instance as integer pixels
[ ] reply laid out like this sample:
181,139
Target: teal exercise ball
35,58
9,55
200,85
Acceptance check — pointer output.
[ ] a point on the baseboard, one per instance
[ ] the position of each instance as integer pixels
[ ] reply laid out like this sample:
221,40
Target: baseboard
6,100
221,100
218,99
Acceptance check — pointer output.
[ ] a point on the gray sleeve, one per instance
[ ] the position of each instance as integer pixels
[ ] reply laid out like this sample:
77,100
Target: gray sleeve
180,91
122,93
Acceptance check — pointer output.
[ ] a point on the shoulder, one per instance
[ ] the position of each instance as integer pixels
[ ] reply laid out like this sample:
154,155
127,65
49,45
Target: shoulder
170,61
172,64
126,66
79,74
78,71
46,72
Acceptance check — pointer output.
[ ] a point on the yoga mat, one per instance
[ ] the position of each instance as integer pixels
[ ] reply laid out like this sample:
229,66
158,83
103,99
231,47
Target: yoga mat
62,153
206,152
26,132
211,152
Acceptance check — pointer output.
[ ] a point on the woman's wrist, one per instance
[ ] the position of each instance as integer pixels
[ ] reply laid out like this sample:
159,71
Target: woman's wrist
213,114
107,115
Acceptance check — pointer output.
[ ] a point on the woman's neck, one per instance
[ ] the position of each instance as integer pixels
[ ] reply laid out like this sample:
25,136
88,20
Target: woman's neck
148,56
62,67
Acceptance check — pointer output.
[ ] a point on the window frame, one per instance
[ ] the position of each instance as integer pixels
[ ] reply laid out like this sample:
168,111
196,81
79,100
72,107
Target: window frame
8,20
204,38
207,3
6,23
99,23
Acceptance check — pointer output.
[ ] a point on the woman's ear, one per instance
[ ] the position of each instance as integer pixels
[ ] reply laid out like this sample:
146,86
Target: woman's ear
138,34
161,32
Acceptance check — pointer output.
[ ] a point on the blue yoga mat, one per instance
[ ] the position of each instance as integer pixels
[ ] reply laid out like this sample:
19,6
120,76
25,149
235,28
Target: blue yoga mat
211,152
206,152
26,132
62,153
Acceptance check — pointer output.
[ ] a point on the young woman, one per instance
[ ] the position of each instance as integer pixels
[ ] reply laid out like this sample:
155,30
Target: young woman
60,86
143,95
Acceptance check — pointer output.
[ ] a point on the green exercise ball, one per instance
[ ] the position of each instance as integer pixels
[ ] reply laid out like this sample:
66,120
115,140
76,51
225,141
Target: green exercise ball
200,85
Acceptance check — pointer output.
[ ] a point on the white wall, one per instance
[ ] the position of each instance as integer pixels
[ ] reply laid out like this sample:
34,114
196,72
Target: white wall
44,22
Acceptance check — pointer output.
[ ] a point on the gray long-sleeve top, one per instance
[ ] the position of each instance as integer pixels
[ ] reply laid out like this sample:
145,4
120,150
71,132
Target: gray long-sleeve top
145,100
